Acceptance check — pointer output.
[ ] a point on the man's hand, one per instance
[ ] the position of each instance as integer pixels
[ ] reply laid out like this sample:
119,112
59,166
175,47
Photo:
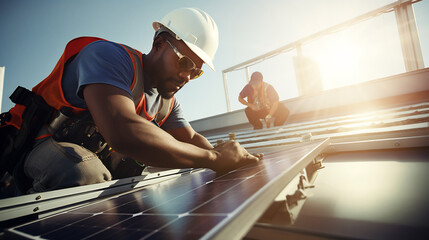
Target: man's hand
268,120
231,155
254,107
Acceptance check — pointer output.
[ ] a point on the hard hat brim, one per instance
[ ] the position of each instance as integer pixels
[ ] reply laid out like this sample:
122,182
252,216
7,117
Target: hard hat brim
194,48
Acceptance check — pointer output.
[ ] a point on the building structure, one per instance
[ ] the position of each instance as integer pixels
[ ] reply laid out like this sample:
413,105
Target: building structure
350,163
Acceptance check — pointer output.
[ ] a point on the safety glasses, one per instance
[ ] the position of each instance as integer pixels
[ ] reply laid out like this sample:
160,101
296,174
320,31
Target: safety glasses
185,63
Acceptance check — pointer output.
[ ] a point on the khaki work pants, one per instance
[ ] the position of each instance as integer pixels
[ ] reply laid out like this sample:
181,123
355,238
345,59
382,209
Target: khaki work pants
54,165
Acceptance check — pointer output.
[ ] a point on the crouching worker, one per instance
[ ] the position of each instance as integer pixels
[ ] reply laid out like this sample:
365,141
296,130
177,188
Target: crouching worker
262,103
105,97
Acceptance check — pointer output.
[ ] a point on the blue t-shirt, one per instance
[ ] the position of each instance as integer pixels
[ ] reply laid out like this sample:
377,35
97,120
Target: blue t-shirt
109,63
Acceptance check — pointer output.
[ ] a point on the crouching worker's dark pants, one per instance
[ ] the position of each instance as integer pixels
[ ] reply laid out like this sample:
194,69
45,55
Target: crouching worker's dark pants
279,116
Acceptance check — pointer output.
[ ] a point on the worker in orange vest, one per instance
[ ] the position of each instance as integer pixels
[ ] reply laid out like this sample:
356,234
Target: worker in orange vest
105,98
262,103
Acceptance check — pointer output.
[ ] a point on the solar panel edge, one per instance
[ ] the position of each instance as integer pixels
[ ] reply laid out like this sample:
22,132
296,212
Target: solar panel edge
40,206
232,228
17,235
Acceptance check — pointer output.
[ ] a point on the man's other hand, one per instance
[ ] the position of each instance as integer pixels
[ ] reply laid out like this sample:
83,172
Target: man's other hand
254,107
231,155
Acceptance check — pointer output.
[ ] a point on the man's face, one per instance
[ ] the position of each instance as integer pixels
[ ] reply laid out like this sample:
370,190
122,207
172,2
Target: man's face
170,77
256,80
256,85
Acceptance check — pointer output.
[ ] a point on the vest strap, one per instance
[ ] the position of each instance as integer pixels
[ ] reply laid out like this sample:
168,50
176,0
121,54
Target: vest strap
137,90
137,87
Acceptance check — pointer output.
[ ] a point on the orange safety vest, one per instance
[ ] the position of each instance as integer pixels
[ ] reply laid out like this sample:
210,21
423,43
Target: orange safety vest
259,98
51,90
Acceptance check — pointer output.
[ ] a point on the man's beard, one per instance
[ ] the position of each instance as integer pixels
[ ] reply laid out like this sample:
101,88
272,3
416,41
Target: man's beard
163,90
165,95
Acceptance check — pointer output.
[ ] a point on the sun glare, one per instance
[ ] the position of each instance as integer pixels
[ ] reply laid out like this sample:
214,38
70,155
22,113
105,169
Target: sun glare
338,62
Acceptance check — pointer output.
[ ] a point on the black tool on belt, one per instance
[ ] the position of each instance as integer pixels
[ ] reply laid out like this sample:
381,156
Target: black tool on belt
81,130
64,127
15,142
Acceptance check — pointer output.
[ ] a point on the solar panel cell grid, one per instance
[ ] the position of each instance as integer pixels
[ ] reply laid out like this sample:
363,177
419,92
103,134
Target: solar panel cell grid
183,208
403,118
85,227
51,224
188,227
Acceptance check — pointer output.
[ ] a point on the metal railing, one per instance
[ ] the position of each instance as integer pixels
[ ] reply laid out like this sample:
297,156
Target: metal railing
408,35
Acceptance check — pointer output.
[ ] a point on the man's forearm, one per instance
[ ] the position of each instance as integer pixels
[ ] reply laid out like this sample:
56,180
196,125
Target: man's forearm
188,135
242,101
132,135
165,151
135,137
156,148
273,108
200,141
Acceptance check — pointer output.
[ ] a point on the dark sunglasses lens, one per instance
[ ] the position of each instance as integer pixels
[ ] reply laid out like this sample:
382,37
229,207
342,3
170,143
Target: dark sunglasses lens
186,64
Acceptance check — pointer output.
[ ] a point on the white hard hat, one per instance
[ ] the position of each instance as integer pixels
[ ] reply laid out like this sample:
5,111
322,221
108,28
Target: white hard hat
196,28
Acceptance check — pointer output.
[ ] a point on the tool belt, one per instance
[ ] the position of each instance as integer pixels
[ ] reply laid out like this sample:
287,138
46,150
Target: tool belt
66,126
79,129
15,142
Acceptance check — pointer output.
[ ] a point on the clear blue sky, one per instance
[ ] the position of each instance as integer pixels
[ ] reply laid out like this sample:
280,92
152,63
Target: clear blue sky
33,35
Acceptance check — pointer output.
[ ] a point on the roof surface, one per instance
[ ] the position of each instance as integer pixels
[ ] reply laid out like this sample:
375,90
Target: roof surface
361,191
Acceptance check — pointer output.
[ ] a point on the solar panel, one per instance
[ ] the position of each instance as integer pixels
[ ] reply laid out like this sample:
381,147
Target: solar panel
372,118
195,205
46,202
398,122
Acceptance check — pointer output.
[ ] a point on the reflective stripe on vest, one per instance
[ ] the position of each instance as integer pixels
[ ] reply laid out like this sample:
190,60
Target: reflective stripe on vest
137,90
260,97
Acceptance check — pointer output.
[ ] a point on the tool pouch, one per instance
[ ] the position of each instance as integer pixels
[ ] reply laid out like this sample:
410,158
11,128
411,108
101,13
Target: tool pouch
16,142
81,130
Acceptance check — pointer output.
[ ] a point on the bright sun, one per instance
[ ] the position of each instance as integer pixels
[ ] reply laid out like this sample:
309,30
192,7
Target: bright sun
338,62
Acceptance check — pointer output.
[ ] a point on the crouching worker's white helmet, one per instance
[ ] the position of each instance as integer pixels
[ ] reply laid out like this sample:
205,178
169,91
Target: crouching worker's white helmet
196,28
